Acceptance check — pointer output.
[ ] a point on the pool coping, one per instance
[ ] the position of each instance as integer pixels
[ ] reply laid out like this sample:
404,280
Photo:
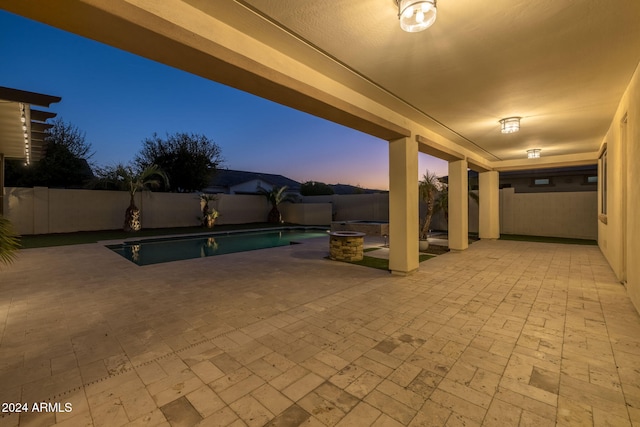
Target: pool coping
134,239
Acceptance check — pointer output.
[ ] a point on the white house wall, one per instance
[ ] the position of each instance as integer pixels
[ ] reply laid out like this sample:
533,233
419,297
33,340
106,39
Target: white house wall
623,227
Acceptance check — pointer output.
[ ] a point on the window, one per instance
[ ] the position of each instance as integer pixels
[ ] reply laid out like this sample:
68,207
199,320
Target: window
542,182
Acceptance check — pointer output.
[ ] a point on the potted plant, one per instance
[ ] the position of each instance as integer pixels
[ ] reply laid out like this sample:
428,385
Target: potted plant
428,186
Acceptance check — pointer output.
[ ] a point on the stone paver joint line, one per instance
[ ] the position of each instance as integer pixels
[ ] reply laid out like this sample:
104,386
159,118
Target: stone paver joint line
504,333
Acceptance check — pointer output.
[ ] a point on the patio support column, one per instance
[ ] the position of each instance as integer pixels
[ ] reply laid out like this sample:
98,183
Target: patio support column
458,205
489,205
403,206
1,183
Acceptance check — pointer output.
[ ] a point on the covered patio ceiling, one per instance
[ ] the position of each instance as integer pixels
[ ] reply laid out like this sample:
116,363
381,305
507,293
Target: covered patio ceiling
14,105
561,66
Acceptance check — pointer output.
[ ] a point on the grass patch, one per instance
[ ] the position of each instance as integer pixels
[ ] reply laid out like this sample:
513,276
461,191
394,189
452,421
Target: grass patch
82,237
543,239
381,263
436,249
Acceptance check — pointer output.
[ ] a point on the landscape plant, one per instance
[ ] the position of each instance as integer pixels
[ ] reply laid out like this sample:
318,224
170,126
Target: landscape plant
428,187
9,242
442,201
275,196
149,177
209,214
131,179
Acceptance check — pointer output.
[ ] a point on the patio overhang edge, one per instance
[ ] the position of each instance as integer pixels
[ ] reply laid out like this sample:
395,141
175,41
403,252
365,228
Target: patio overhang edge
26,97
582,159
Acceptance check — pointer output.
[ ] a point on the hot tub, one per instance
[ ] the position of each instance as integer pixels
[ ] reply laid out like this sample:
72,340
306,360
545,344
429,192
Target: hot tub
370,228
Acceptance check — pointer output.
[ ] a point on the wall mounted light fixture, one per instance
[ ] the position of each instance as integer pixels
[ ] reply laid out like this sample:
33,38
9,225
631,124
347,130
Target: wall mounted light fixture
416,15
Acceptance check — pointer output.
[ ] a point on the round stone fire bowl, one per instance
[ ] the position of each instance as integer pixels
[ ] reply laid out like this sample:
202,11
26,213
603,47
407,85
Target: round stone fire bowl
346,245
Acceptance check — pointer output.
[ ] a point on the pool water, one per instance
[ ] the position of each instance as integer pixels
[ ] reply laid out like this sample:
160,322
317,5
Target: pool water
155,251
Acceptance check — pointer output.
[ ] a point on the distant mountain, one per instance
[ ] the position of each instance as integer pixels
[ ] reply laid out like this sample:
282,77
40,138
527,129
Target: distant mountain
352,189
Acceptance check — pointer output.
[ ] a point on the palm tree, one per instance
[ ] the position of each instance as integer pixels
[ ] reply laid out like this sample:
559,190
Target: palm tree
9,242
442,202
209,215
132,180
275,196
428,186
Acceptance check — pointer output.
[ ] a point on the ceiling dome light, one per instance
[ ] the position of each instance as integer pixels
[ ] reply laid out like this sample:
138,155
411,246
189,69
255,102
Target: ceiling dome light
416,15
534,153
510,124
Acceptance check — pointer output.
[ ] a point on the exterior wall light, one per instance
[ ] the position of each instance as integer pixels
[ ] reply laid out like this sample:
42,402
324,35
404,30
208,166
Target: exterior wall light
534,153
510,124
416,15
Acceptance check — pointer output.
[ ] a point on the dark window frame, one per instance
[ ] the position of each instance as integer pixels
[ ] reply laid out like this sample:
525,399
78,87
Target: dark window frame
602,182
587,182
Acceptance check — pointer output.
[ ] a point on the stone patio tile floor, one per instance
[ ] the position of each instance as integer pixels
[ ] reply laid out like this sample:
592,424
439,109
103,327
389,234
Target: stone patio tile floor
502,334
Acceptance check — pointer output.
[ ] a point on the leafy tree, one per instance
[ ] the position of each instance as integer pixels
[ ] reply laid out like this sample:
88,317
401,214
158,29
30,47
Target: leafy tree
9,241
275,196
188,159
315,188
70,137
16,173
59,168
64,164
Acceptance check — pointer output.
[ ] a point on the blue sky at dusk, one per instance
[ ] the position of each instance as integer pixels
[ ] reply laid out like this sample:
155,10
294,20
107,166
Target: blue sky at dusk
118,99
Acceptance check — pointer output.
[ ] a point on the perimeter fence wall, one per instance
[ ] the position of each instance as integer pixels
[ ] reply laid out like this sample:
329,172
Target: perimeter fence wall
42,210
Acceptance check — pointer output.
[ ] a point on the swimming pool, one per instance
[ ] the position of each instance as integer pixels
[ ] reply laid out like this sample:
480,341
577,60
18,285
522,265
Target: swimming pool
155,251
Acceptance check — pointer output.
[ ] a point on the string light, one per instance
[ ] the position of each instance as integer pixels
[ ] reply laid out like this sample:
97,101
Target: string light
23,119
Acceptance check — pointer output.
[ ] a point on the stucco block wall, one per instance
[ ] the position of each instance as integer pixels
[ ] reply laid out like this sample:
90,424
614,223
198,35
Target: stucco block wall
42,210
439,222
572,215
370,207
619,237
241,209
18,208
83,210
306,213
160,210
